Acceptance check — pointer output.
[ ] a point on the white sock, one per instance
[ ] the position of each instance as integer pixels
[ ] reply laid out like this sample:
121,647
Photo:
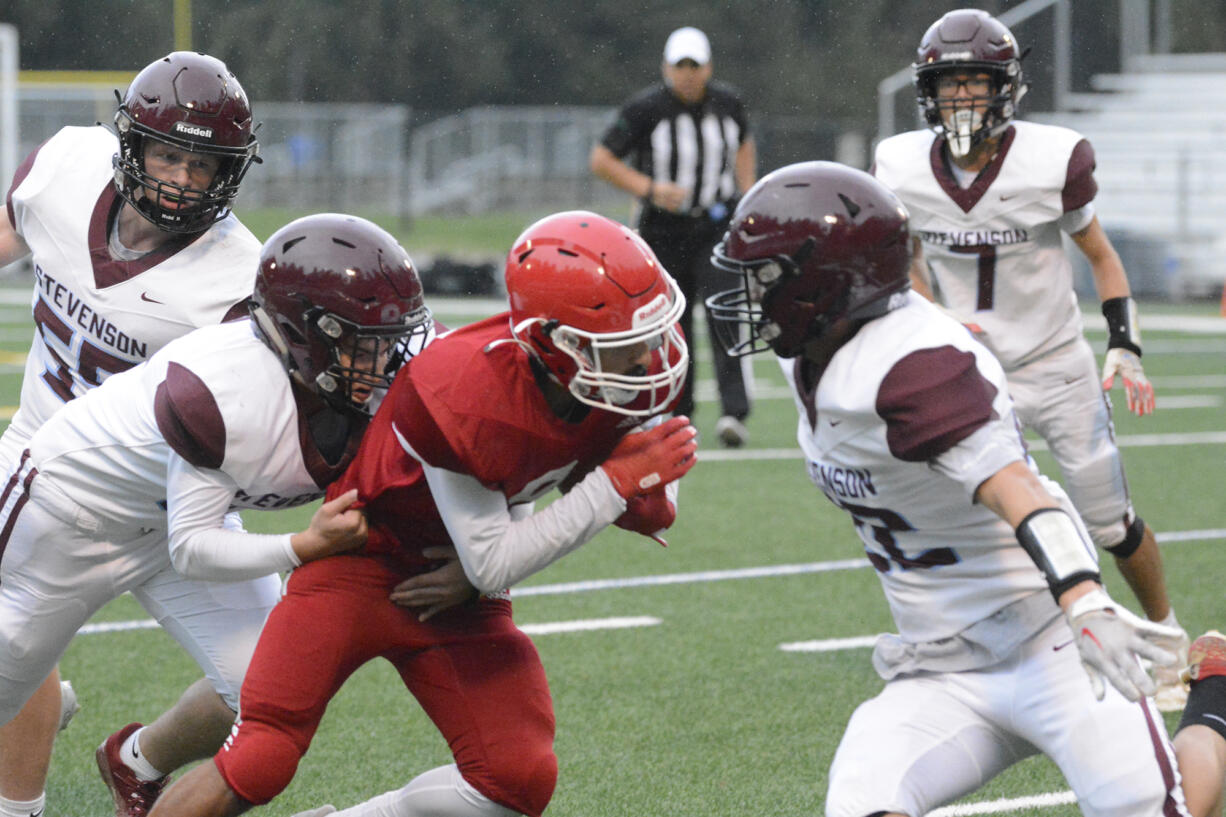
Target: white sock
23,808
441,792
1170,620
135,760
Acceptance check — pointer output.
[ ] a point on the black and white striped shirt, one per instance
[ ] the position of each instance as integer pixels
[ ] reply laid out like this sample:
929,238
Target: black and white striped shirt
693,146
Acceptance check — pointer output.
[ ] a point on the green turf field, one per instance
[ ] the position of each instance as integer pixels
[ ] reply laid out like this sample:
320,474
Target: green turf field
692,708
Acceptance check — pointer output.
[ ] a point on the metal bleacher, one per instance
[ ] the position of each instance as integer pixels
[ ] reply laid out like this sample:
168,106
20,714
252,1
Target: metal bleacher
1158,134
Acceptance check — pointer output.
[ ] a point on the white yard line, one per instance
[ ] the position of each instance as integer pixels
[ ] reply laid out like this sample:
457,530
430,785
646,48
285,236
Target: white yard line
545,628
1051,798
771,571
1125,441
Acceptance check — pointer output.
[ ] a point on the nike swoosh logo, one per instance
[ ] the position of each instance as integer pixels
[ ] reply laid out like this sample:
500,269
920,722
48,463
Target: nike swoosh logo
144,296
1059,647
1006,198
834,423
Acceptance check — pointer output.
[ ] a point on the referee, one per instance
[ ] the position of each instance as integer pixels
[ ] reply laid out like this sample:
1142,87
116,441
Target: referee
683,147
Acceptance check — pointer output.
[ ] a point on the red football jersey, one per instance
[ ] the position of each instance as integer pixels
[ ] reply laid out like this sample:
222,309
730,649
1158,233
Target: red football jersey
471,406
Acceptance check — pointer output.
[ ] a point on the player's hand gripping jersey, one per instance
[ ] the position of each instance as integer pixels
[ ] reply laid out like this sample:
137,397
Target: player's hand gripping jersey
210,423
906,422
96,316
994,249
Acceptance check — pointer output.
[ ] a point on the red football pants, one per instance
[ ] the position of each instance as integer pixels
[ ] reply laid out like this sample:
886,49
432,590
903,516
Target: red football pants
475,674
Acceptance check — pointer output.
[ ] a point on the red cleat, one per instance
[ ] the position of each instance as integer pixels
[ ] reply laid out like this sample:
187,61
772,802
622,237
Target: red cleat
1206,657
133,797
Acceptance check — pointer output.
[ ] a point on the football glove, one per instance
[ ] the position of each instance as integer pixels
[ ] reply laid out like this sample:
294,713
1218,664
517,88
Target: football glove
644,460
649,514
1127,365
1110,638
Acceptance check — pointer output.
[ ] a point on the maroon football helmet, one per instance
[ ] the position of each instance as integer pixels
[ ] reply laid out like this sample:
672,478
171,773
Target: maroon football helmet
332,285
969,41
583,287
816,243
192,102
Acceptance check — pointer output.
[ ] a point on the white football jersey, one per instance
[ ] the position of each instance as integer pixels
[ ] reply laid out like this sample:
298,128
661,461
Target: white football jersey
95,316
217,399
907,420
994,249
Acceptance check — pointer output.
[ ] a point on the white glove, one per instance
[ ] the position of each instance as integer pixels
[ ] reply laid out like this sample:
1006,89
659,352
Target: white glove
1136,385
1110,638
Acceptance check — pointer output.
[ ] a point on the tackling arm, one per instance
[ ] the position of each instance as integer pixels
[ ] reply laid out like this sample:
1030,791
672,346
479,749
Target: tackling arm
203,544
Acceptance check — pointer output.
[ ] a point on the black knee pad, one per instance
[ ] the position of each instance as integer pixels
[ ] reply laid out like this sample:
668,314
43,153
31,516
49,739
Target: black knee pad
1132,540
1206,705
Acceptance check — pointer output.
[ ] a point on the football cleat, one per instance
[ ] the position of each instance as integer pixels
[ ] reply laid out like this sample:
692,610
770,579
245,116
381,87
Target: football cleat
133,797
1172,693
317,812
1206,657
69,705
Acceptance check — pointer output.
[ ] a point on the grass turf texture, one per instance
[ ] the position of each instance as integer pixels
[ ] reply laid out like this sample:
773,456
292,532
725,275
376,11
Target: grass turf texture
701,714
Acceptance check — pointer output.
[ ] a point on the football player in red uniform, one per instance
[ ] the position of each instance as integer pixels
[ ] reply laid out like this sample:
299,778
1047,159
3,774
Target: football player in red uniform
567,389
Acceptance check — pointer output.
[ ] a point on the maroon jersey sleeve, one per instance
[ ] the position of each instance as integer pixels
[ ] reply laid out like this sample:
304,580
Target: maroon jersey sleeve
931,400
189,419
1079,185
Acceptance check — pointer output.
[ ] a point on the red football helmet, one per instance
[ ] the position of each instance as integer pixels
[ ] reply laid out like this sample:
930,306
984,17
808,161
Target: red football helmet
337,298
585,290
193,102
816,243
968,41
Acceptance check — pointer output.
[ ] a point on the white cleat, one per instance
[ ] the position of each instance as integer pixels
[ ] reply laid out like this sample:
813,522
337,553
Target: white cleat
68,704
731,432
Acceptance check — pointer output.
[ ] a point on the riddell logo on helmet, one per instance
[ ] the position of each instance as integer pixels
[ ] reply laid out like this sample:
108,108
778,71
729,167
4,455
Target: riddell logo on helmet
650,313
957,55
189,129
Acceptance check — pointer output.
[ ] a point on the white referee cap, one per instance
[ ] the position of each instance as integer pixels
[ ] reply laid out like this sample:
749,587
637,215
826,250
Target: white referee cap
687,44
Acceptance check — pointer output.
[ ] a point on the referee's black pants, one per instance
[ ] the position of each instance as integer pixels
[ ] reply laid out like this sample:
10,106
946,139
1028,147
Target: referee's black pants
684,244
